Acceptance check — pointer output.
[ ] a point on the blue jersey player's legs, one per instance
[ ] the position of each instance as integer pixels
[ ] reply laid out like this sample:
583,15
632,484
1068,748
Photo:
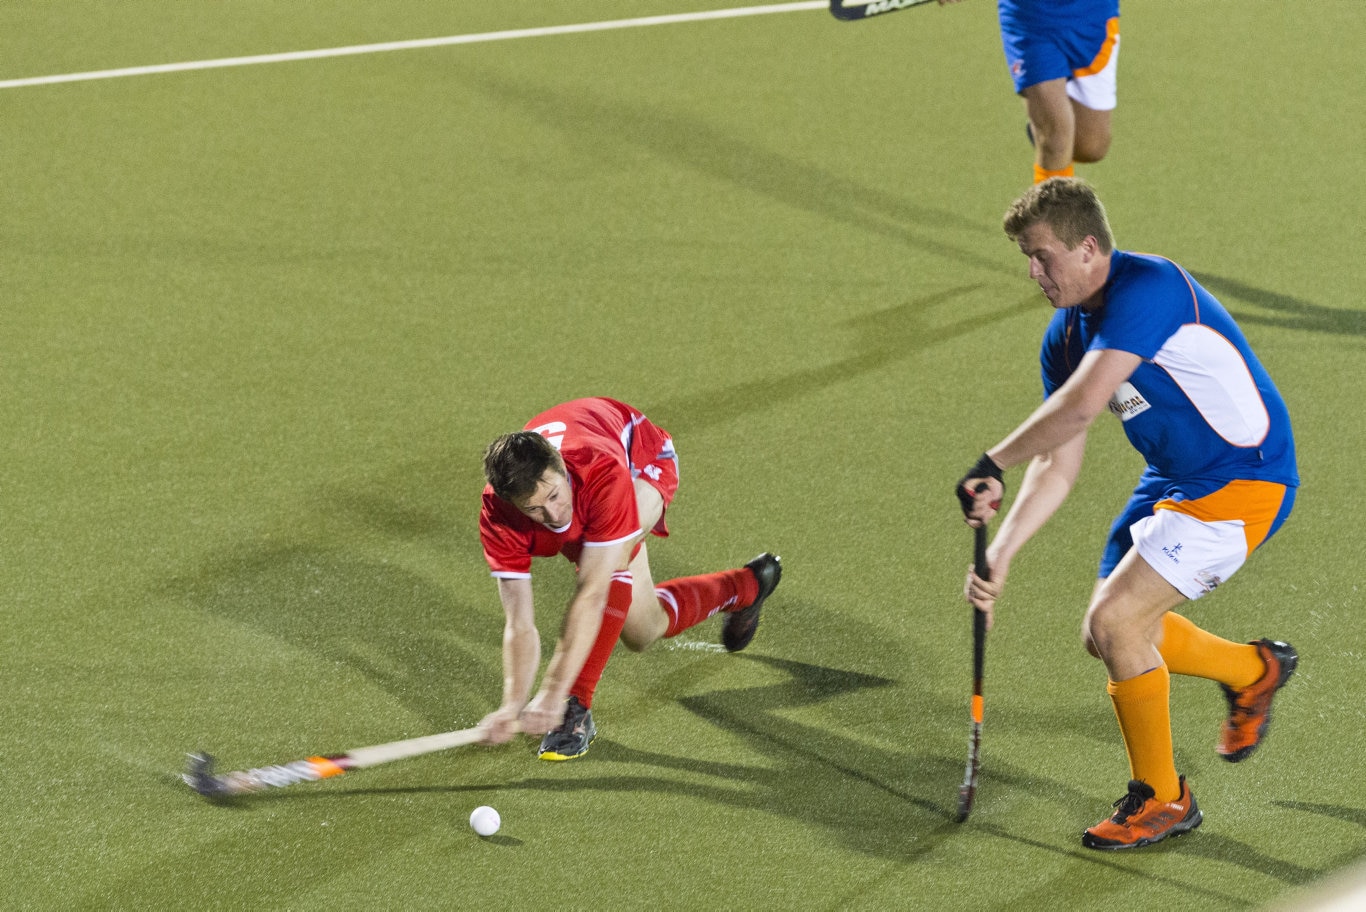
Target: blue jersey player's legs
1053,124
1064,71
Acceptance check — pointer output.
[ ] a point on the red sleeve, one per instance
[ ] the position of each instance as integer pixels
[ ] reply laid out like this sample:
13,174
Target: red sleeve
506,547
609,503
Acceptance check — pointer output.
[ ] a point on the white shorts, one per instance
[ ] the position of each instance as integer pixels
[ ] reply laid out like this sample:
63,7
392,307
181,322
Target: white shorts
1097,90
1193,555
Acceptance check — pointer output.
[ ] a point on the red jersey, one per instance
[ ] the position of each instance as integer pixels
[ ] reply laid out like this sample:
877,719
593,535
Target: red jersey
605,444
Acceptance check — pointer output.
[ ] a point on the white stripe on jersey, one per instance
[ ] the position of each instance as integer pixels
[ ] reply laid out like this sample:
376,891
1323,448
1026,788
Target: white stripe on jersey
1211,372
618,541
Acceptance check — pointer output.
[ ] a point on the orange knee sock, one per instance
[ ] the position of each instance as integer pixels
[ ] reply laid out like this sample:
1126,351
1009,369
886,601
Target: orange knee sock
1142,708
1188,650
1042,174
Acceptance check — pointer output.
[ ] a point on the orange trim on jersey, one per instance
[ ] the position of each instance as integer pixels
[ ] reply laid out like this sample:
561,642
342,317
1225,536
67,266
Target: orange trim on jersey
1106,49
1253,503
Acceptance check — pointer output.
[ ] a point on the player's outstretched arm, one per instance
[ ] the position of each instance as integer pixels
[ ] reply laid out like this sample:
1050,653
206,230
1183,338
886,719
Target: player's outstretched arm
1047,482
582,621
521,658
1070,410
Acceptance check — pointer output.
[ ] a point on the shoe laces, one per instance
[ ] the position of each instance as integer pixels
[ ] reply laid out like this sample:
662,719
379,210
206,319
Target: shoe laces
1132,802
573,717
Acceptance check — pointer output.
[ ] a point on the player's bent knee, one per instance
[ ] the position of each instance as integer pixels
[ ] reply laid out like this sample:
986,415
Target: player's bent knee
636,643
1089,150
643,626
1100,629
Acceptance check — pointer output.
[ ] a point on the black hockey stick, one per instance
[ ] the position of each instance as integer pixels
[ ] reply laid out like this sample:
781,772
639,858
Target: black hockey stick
853,10
968,790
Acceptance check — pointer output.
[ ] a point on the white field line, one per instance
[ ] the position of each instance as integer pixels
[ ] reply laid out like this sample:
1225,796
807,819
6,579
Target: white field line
413,44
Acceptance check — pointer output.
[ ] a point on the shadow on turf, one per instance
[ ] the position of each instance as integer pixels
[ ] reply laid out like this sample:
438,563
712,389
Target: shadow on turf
1286,312
365,615
1336,811
609,128
885,337
875,799
872,798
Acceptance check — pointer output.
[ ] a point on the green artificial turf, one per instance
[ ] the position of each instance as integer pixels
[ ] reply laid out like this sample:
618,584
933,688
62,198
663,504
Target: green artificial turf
260,322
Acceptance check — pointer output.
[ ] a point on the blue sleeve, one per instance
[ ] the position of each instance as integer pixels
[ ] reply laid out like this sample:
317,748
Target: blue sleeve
1147,300
1061,350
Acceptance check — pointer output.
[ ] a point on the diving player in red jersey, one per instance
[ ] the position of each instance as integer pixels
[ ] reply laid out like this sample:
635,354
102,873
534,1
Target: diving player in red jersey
587,479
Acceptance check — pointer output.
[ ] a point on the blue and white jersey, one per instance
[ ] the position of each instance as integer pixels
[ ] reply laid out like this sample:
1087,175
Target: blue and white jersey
1200,408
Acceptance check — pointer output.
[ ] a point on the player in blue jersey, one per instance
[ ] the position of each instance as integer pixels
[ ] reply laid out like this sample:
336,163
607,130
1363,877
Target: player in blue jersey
1136,335
1062,55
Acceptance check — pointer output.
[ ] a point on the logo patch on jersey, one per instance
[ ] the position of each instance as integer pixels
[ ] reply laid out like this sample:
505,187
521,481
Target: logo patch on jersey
554,432
1128,402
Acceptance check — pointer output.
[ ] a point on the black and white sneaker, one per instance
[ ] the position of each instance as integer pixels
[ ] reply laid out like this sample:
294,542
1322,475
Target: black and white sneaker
572,738
740,626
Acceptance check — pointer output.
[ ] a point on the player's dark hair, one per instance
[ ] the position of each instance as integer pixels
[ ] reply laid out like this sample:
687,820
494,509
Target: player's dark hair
514,464
1069,206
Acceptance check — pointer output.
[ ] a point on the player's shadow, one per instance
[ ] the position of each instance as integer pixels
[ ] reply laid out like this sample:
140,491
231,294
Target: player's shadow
894,802
1354,815
608,129
611,129
878,801
1282,310
883,338
355,615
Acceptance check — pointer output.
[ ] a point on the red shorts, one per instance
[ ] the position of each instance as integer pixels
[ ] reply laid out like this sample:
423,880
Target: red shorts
654,460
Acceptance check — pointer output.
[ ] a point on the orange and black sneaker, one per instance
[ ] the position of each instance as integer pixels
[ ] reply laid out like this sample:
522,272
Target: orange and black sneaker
1140,819
1249,709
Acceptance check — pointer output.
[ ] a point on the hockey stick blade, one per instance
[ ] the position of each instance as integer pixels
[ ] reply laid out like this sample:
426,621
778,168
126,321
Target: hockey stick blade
968,790
854,10
199,776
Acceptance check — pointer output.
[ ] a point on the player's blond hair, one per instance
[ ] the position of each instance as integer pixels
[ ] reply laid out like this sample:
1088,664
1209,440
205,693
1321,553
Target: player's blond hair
1069,206
514,464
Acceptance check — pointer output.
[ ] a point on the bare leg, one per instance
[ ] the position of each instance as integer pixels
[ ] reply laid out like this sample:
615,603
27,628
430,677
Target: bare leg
1053,122
646,621
1123,626
1092,134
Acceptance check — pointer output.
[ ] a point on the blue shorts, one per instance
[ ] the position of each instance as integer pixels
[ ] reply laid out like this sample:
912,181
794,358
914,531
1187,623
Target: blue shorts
1078,48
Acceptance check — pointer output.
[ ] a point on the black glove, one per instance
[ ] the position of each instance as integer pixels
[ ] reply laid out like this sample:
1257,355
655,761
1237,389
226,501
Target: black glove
986,467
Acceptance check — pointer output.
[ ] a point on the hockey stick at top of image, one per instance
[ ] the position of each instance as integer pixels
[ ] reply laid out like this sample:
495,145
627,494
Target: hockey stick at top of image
968,790
853,10
199,774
